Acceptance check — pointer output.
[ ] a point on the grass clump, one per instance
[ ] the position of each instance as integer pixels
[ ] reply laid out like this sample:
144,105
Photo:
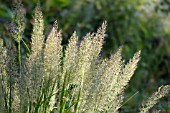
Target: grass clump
74,80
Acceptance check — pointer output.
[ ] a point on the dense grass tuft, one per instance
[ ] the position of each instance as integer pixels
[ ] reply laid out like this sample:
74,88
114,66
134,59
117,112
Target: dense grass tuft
74,80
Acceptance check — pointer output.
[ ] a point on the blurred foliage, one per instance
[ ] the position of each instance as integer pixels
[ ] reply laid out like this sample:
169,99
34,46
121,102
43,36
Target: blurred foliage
136,24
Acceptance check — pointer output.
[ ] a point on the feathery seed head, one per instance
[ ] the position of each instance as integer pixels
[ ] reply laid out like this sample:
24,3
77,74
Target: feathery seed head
38,28
18,25
151,101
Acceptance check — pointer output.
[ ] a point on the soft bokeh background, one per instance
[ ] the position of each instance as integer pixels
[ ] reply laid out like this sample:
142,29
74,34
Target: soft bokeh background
136,24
